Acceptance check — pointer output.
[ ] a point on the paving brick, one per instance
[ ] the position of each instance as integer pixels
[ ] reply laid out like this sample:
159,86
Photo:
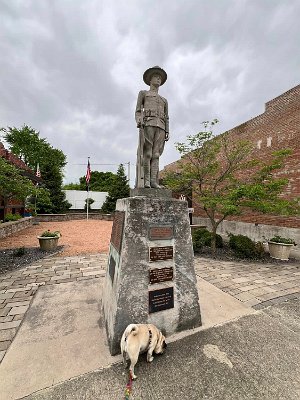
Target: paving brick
24,294
8,318
18,310
92,273
2,354
7,334
241,280
5,345
18,317
84,278
43,279
4,311
244,296
23,282
258,292
247,288
252,302
9,325
6,295
268,296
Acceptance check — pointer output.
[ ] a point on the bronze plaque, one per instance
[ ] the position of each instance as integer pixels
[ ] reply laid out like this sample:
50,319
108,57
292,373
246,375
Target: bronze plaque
161,232
160,275
161,253
117,230
161,299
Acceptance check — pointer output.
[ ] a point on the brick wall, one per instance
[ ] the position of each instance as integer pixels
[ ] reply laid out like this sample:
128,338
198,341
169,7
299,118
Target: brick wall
277,128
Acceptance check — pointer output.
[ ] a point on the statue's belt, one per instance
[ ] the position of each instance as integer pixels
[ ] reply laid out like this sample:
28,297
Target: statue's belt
154,113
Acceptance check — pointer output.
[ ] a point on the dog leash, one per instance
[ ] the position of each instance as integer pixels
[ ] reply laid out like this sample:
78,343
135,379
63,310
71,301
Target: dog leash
128,389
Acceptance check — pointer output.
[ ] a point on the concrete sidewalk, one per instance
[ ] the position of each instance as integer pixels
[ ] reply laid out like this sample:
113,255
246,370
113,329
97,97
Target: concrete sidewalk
62,336
256,357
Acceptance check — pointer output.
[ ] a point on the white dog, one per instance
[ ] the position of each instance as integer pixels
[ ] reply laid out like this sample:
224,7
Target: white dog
138,338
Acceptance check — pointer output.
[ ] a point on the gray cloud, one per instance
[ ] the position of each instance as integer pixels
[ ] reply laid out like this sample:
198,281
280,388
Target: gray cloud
72,70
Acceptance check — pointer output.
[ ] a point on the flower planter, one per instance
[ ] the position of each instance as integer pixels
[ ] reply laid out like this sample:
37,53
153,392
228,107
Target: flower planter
48,243
280,251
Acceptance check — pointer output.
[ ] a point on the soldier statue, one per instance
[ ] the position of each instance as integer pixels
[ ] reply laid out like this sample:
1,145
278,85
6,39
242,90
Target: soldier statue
152,119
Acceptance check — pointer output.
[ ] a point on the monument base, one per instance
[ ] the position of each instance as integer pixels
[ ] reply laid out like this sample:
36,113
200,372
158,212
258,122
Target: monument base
150,275
151,192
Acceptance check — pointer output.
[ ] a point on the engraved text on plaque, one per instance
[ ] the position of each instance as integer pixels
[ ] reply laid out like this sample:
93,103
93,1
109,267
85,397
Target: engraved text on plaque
158,275
161,253
161,299
161,232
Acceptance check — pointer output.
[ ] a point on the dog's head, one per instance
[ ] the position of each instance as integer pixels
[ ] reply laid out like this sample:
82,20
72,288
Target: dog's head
161,344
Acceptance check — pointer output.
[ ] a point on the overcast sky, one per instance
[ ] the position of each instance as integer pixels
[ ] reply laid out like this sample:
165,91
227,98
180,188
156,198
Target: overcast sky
73,69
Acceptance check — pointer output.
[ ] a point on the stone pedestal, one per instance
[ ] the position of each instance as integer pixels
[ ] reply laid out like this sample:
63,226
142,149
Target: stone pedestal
150,276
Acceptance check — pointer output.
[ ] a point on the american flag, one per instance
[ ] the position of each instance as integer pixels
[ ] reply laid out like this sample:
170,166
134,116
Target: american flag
88,175
38,172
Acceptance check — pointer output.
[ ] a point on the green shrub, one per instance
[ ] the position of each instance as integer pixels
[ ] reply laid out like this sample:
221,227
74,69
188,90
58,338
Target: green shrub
280,239
244,247
12,217
91,201
202,237
51,234
19,252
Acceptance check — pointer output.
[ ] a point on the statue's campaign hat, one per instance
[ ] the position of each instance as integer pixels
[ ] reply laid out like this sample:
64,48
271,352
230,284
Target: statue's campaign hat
154,70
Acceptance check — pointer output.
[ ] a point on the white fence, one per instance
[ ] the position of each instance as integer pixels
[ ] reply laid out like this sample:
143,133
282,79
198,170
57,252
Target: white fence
77,199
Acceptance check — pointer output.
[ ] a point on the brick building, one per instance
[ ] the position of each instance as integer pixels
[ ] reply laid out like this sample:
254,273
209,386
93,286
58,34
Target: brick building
15,206
277,128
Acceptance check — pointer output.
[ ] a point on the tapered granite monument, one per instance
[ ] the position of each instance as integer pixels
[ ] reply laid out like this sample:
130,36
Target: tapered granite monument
150,275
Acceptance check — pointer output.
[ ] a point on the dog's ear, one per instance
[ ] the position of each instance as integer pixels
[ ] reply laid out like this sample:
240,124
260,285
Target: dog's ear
160,344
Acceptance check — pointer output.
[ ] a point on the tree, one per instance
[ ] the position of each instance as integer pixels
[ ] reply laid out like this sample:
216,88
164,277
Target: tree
99,182
27,144
90,201
118,189
72,186
53,179
39,201
13,183
218,170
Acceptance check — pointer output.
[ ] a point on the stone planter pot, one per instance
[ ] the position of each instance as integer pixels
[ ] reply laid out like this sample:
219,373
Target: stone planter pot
280,251
48,243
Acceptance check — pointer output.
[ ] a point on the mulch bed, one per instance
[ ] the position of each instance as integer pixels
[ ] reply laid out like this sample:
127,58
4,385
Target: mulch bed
226,254
12,259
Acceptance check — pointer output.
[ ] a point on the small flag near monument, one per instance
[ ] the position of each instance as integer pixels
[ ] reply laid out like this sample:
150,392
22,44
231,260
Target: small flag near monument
88,175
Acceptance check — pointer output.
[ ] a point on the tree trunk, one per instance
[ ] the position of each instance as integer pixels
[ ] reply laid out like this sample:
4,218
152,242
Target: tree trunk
214,240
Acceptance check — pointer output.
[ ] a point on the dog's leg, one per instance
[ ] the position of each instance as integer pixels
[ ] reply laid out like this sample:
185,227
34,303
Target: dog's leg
149,355
132,365
124,358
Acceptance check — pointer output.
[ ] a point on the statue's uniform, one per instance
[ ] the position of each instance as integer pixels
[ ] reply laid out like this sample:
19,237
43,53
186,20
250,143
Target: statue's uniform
152,113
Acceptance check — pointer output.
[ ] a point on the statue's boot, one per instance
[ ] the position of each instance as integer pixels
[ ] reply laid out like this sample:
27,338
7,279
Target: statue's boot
147,174
154,174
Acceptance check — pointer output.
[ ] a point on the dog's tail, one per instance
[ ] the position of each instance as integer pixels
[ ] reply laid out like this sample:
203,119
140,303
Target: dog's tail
131,329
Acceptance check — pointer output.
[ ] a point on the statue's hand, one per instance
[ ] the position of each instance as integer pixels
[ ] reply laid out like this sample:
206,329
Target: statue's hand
167,137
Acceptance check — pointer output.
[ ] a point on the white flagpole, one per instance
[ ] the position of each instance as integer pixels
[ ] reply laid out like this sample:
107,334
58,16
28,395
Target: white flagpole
87,203
88,188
